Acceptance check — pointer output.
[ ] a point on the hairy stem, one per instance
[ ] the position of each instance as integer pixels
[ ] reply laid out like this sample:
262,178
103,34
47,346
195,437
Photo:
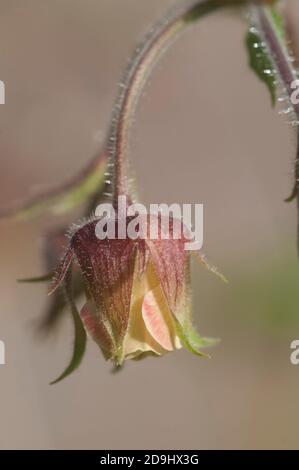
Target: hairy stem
86,186
278,51
287,75
159,38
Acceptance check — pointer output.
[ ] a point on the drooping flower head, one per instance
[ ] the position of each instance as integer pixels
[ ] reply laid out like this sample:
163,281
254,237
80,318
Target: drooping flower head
137,292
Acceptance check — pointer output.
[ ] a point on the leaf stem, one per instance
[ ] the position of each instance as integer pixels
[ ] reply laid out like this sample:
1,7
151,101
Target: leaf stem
278,51
287,74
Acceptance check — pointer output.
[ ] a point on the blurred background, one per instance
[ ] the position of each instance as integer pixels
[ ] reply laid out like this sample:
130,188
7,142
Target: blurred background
204,132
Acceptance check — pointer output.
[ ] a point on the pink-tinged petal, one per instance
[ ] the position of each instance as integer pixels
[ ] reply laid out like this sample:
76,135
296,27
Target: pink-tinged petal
96,329
138,340
62,270
154,320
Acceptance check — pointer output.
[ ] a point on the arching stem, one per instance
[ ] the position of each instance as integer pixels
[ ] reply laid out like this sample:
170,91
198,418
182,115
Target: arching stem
145,57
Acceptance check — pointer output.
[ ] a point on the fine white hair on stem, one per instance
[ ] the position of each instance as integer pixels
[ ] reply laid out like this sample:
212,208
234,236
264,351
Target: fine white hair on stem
283,63
145,57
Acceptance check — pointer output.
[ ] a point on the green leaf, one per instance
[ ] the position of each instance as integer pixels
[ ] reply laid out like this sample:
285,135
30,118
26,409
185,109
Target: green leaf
293,194
198,341
203,8
45,278
57,306
260,62
64,198
80,335
278,24
191,340
79,195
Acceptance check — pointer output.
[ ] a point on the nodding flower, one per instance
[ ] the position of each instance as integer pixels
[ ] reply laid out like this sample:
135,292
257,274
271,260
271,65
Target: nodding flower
138,296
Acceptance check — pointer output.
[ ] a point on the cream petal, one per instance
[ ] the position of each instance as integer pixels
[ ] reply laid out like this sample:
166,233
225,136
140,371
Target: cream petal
149,331
138,339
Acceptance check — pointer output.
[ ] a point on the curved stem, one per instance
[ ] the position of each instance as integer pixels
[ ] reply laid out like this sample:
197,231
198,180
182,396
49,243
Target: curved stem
135,77
85,185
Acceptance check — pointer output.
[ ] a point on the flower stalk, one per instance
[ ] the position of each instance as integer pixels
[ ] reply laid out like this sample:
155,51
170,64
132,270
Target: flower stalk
139,69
